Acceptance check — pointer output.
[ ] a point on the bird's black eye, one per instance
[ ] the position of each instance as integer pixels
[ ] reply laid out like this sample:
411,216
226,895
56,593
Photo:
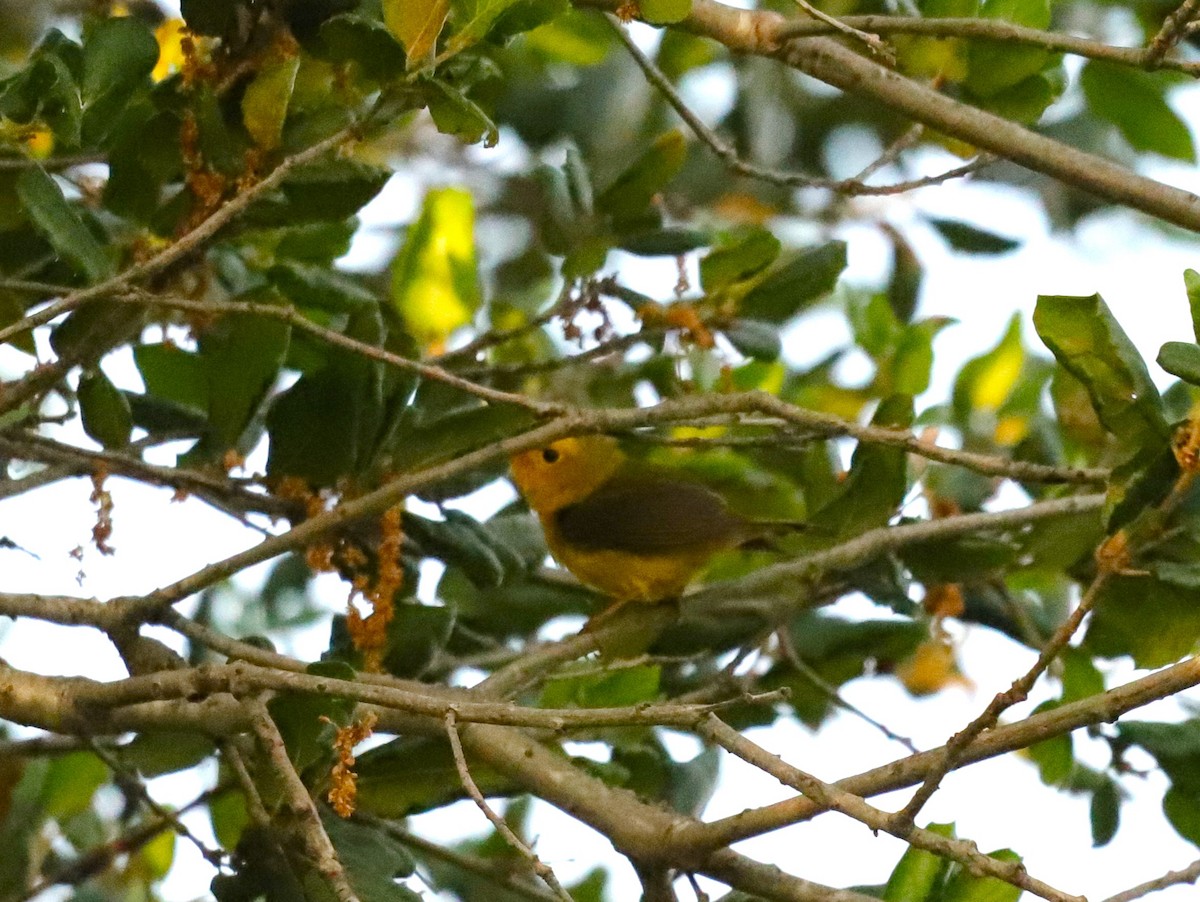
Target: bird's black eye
549,455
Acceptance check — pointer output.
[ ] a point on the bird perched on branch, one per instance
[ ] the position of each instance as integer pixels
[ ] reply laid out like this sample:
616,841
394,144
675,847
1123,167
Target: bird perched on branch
632,530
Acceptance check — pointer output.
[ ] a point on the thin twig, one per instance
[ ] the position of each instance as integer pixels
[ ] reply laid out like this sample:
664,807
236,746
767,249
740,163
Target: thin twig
1190,874
833,798
132,782
306,819
788,647
729,155
993,30
498,874
297,320
538,866
1173,29
873,42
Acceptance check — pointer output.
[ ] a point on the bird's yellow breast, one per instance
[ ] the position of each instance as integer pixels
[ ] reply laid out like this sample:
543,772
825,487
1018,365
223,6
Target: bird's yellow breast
623,575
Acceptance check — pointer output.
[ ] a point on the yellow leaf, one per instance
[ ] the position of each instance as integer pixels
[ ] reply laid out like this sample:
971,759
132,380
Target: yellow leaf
931,668
265,103
416,24
170,35
435,277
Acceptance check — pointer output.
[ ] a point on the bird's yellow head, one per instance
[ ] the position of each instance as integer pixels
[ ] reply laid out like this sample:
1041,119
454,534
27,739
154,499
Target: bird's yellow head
565,471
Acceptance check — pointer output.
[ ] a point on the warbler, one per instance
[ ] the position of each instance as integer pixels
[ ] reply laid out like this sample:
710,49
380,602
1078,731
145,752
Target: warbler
630,529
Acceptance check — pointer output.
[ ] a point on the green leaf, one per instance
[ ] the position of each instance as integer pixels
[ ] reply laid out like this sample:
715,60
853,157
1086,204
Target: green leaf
229,817
328,424
330,191
754,339
243,356
473,19
373,860
1089,343
173,374
153,754
355,38
307,285
1153,622
454,113
416,24
633,190
44,203
963,886
265,101
876,483
104,410
665,12
918,873
1182,359
987,381
1191,282
994,65
410,775
962,236
732,261
670,242
302,719
619,688
1105,813
435,277
1135,102
795,284
71,782
118,56
1183,812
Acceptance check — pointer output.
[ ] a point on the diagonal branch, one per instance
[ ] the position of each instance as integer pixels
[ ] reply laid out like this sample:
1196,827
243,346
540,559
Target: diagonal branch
831,797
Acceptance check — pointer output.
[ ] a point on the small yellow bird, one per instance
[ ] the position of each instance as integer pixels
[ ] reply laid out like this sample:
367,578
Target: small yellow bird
632,530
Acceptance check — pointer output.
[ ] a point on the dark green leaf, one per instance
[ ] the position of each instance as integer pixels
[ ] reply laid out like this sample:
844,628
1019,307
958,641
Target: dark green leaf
663,242
1135,102
308,285
739,259
43,201
1183,811
754,339
153,754
118,53
373,860
1105,813
243,355
104,410
174,374
1153,622
1182,359
307,722
799,281
456,114
962,236
633,189
351,37
1092,346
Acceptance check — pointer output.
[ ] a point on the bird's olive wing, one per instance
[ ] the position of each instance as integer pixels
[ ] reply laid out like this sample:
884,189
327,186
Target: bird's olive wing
650,516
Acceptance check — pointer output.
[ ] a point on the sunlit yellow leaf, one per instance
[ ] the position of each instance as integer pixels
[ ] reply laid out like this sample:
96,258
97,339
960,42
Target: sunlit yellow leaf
1010,430
170,36
265,103
931,668
158,854
416,25
435,278
38,142
987,381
